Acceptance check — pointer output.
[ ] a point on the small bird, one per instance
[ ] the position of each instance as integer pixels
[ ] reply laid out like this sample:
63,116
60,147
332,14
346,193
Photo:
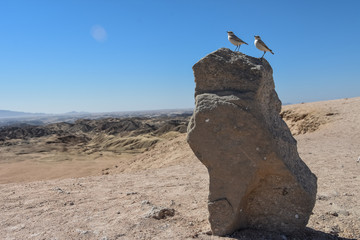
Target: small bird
235,40
259,44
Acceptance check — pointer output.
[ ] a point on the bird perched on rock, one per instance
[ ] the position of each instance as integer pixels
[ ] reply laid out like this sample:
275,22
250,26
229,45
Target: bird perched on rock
259,44
235,40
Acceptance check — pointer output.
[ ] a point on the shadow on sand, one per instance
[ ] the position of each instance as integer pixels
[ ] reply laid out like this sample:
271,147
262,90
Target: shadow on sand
307,234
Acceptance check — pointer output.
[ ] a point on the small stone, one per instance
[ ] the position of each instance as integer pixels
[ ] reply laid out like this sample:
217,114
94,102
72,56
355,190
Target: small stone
131,193
165,226
335,230
145,202
160,213
69,203
335,214
59,190
323,197
82,232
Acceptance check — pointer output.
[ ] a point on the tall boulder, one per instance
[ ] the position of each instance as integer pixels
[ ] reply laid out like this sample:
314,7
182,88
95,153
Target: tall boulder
257,179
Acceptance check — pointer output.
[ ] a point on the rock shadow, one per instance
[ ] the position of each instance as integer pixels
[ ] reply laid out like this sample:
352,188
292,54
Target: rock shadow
306,234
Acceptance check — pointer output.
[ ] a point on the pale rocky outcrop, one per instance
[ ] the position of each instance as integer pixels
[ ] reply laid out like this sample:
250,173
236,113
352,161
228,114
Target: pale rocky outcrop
257,179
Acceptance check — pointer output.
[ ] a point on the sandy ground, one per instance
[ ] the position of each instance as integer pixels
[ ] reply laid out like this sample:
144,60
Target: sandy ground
36,167
116,205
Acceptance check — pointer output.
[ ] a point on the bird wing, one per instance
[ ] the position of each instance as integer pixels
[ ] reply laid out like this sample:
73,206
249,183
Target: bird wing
262,43
237,39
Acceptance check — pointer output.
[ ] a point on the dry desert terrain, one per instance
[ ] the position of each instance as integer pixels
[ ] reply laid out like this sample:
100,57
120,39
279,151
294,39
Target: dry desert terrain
109,185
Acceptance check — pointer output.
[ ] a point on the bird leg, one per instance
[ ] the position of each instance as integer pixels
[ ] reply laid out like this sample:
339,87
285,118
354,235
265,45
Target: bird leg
263,54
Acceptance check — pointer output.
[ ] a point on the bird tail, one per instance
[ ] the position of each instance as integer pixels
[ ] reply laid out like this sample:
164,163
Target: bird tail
271,52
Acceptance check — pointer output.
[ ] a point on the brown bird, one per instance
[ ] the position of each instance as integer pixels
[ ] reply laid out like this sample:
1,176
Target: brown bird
235,40
259,44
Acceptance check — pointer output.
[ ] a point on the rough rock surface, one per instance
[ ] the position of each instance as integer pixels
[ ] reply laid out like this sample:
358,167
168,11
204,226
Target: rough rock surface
257,179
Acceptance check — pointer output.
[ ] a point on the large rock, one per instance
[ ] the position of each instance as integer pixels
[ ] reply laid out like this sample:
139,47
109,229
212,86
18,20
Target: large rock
257,179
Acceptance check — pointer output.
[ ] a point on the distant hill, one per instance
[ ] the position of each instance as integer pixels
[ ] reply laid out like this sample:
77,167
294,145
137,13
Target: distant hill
8,118
14,114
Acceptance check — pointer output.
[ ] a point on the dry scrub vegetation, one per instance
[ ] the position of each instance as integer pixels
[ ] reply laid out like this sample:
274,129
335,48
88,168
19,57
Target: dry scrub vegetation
302,119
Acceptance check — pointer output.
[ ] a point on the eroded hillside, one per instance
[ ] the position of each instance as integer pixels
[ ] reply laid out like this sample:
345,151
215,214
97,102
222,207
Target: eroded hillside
120,135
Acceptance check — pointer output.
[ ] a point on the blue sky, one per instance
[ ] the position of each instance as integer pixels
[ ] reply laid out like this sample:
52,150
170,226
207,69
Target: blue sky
108,55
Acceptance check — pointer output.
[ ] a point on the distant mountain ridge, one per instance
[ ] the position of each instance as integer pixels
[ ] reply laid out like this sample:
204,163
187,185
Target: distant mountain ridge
11,114
8,118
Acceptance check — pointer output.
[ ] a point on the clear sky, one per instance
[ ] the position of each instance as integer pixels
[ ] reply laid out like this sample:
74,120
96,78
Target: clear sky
116,55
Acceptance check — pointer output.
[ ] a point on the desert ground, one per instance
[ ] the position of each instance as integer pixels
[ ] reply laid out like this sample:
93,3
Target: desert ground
101,184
